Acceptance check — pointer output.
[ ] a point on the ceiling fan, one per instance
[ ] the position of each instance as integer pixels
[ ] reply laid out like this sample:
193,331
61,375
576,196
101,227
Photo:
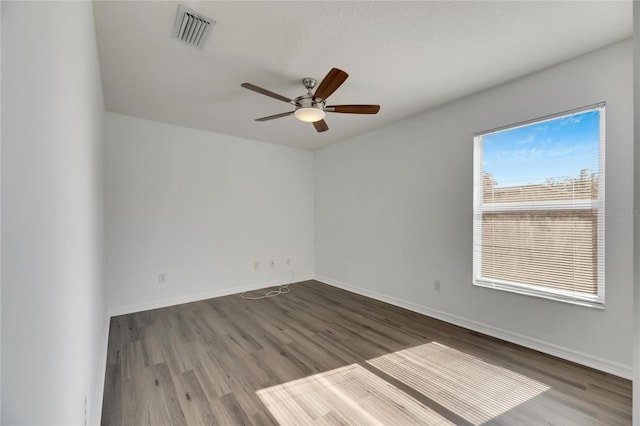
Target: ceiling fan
312,107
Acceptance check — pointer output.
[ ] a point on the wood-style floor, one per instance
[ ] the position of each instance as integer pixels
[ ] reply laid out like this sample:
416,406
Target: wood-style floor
321,355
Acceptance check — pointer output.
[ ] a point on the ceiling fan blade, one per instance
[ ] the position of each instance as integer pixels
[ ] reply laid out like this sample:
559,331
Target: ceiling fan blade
272,117
330,83
321,126
354,109
266,92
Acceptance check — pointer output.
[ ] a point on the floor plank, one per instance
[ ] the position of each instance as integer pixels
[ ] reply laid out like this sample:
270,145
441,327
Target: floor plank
321,355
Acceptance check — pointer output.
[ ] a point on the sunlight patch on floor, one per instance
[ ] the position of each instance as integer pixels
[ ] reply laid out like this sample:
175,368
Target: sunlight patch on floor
462,383
346,395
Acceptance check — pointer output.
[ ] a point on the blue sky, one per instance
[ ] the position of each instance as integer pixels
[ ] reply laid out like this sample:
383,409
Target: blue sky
557,148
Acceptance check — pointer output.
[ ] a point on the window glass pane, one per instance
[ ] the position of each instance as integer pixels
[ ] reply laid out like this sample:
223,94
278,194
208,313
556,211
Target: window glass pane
545,154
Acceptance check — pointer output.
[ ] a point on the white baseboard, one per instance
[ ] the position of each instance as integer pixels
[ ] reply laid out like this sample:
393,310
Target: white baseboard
145,306
617,369
96,415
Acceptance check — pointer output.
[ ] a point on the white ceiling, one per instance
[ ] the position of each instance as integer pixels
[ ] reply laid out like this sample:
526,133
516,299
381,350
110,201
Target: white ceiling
405,56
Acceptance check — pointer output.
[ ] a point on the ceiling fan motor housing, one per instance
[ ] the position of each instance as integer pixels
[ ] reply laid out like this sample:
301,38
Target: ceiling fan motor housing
307,101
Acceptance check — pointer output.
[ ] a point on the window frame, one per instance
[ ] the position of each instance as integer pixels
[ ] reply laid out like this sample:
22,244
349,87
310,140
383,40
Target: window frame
479,208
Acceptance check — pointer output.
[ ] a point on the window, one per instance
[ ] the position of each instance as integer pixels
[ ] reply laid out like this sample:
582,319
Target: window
539,207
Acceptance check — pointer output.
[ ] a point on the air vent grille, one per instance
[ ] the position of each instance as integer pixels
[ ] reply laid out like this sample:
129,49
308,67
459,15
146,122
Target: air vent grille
191,27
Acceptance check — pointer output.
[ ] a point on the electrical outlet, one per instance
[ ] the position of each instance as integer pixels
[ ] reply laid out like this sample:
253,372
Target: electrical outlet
437,285
256,265
272,263
162,277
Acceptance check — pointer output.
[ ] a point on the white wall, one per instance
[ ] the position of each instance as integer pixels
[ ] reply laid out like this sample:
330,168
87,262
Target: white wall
394,212
53,303
201,208
0,218
636,104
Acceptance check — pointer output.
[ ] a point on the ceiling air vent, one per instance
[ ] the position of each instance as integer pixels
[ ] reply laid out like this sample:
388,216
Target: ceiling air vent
191,27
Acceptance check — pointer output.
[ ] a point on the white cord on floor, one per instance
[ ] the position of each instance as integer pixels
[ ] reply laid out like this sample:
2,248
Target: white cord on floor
283,289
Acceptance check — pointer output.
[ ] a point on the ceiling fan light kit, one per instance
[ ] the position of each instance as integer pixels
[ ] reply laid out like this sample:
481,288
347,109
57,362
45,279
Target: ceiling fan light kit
312,108
309,114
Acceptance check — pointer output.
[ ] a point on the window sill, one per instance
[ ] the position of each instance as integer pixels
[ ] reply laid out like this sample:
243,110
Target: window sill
549,295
